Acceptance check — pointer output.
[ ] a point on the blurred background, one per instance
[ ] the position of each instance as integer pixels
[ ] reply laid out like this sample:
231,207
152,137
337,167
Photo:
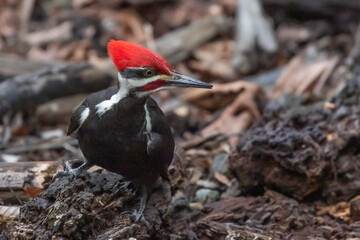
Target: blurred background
282,121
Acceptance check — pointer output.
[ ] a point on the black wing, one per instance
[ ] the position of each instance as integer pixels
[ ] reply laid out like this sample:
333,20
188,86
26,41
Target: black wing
75,120
90,102
161,148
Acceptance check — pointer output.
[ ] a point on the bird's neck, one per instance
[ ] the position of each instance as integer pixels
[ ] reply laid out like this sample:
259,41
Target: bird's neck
127,90
124,91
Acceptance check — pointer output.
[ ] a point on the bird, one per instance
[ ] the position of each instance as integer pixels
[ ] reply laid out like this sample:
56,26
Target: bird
122,129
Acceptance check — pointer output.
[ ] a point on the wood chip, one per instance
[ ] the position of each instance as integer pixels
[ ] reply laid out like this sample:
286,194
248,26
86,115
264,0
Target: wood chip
21,180
329,105
340,210
196,205
9,213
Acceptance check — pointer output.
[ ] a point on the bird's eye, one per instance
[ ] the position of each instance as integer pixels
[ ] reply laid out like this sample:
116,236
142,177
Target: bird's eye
149,72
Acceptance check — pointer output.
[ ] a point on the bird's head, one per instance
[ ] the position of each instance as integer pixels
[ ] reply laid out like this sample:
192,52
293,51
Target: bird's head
143,72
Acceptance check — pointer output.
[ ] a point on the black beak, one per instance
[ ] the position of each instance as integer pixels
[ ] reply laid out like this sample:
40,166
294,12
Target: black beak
179,80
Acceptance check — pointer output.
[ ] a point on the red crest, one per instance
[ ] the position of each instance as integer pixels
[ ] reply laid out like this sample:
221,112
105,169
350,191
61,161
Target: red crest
126,54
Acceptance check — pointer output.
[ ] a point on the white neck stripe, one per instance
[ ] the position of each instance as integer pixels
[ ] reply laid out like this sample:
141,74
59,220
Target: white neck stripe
106,105
125,86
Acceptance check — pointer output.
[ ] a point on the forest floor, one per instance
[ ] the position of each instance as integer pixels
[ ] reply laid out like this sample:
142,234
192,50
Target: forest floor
272,152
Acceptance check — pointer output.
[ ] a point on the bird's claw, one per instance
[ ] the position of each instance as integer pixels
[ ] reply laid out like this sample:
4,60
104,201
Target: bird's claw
59,174
135,215
138,216
69,171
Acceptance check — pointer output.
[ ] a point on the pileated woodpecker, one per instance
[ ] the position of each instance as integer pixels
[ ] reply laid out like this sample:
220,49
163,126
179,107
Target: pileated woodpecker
121,128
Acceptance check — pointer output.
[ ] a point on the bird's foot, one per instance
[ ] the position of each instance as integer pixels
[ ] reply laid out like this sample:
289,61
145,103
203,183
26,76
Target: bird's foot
139,217
59,174
138,214
70,171
119,187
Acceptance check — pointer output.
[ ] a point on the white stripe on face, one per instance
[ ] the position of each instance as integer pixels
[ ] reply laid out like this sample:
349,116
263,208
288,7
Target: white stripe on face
125,86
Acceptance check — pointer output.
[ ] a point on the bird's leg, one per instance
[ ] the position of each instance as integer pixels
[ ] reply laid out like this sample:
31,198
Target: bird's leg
139,214
143,199
76,171
72,171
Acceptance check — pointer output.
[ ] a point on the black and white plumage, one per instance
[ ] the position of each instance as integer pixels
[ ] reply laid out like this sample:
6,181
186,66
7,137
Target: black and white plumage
122,129
131,138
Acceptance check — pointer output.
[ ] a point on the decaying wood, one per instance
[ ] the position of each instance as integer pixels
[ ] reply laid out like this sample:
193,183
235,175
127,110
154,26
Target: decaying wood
9,213
21,92
19,181
94,204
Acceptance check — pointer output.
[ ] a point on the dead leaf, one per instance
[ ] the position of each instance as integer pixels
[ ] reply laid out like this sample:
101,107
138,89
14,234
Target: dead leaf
222,178
301,76
339,210
239,114
220,96
33,191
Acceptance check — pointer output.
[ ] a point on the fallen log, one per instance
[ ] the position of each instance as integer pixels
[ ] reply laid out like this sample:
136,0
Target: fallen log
103,201
24,91
11,65
23,180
